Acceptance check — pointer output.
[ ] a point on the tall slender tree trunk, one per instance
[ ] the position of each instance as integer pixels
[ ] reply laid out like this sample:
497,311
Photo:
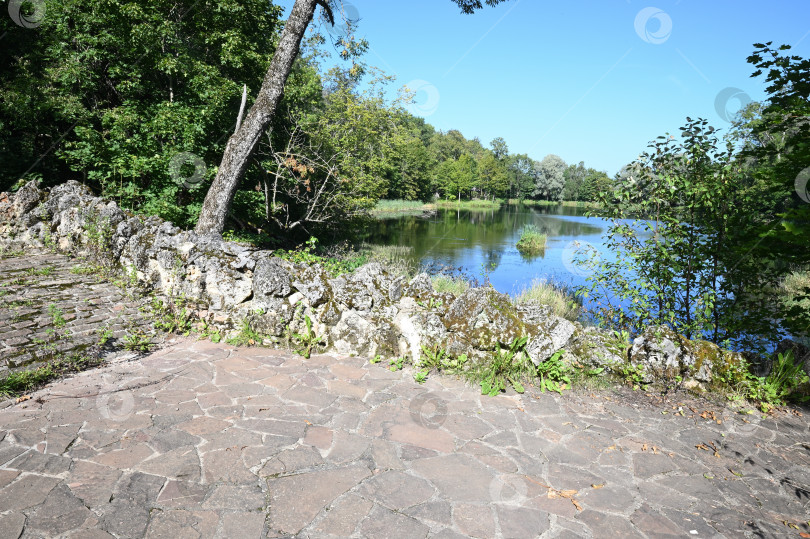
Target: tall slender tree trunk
244,141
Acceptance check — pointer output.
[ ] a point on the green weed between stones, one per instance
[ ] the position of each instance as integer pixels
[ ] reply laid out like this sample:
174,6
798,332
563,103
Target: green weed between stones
787,382
57,315
171,316
137,342
554,373
396,364
508,366
247,336
308,340
21,382
41,272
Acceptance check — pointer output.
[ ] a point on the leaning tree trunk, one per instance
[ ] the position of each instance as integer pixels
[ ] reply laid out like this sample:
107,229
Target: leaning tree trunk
244,141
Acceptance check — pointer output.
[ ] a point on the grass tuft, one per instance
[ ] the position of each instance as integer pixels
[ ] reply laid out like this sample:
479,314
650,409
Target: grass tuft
532,242
562,302
448,284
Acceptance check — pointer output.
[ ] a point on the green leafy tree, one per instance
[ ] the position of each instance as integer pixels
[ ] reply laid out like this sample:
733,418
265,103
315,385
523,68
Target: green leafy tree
520,168
259,117
549,177
109,92
492,174
683,263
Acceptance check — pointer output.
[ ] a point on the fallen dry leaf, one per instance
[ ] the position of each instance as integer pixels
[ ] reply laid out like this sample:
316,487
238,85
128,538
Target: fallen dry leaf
23,399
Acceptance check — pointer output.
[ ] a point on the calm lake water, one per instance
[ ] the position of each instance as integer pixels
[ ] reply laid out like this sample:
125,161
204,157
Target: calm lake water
476,242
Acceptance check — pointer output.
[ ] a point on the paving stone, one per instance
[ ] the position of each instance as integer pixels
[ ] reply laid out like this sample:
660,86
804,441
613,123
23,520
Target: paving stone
11,525
520,522
127,458
7,476
605,525
182,494
296,500
413,434
396,490
232,497
181,463
203,425
653,523
61,512
93,483
182,524
242,524
128,513
474,520
27,491
609,498
385,524
347,447
458,477
343,516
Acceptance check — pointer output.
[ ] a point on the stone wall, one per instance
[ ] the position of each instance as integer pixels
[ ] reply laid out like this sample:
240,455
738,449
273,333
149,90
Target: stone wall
366,312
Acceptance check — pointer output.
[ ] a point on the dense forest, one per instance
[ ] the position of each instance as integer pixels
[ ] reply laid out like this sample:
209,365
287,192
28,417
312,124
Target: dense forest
141,111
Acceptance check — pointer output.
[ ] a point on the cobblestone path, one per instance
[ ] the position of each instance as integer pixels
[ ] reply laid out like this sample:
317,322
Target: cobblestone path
205,440
52,306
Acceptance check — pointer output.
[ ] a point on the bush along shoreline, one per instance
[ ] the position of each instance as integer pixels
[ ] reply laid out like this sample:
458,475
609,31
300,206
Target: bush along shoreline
247,296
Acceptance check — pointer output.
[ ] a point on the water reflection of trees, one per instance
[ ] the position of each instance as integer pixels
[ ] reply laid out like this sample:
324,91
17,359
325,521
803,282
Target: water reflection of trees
449,232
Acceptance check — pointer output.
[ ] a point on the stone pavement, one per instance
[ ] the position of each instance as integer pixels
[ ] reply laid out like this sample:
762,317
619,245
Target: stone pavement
206,440
38,288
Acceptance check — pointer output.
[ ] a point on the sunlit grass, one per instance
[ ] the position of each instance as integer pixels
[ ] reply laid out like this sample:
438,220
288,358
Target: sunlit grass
398,206
532,241
477,204
446,283
395,259
556,296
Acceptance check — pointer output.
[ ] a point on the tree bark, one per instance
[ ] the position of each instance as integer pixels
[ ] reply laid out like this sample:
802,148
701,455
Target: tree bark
246,138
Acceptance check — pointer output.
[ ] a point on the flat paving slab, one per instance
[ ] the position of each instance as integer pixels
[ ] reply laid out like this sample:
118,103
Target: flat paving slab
207,440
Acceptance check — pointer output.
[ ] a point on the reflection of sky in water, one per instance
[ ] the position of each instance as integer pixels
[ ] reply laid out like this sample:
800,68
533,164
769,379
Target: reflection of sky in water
473,241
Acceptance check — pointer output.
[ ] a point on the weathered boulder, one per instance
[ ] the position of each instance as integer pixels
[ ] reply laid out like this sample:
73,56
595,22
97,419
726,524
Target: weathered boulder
665,355
364,290
418,327
271,280
549,333
420,287
353,334
485,318
593,347
26,199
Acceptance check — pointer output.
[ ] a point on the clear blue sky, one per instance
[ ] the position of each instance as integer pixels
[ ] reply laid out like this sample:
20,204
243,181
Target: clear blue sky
584,79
